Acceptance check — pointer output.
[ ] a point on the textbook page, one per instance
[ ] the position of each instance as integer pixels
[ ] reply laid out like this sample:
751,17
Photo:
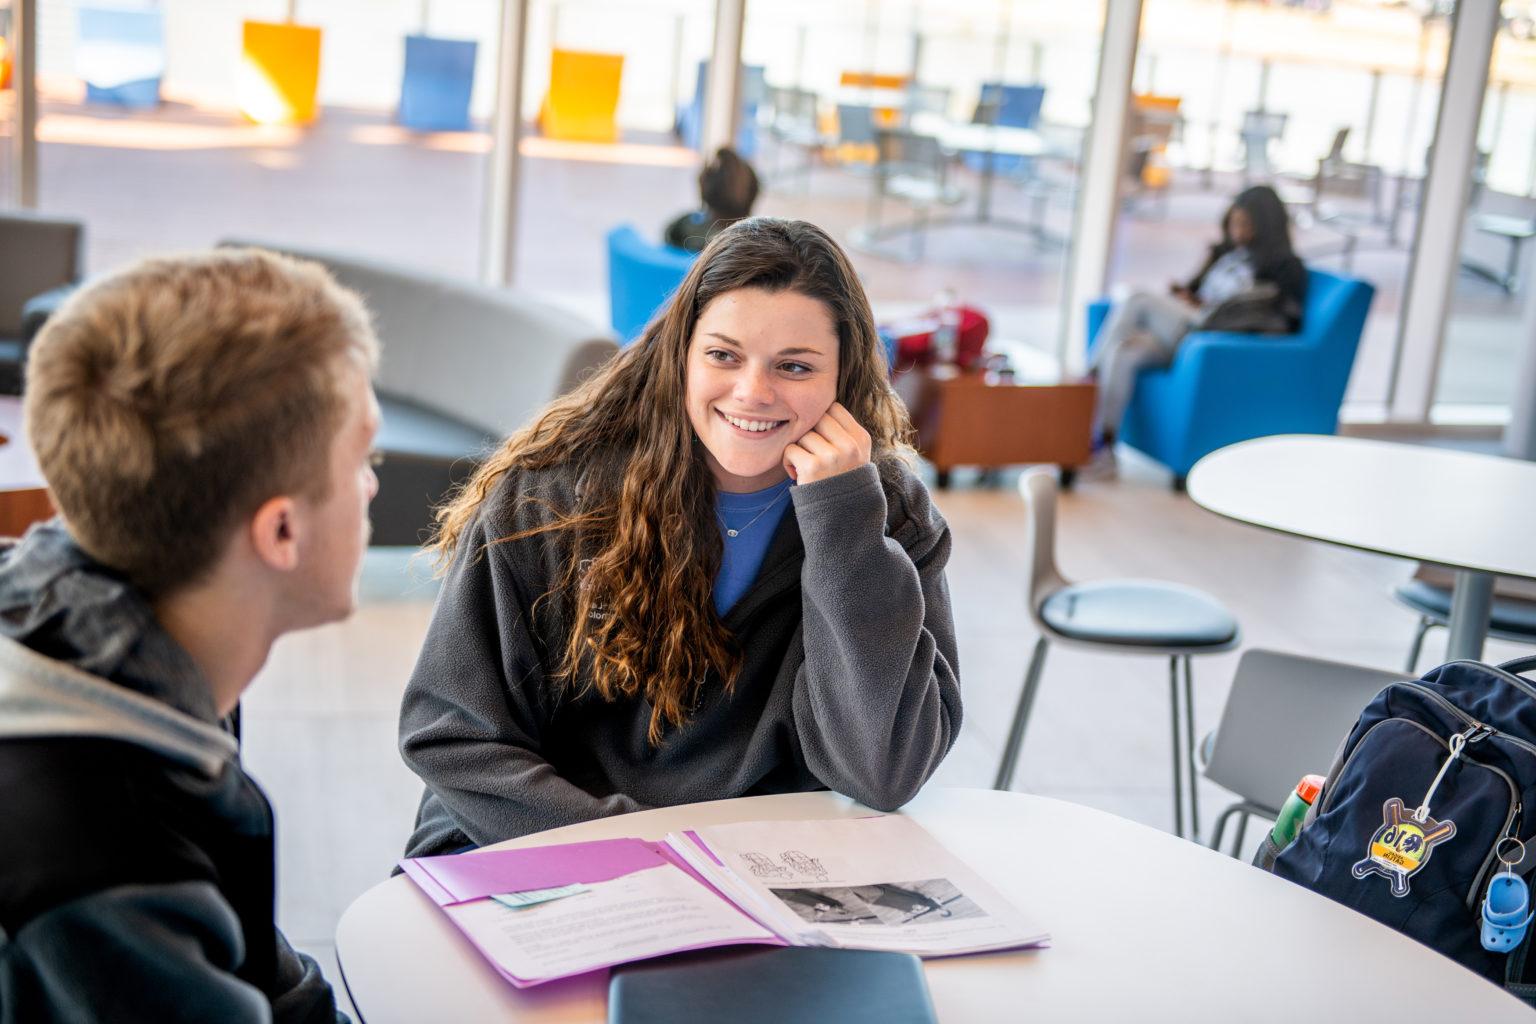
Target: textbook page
643,914
877,883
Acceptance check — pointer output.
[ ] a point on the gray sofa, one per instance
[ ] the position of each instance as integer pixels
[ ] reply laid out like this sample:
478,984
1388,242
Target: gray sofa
463,365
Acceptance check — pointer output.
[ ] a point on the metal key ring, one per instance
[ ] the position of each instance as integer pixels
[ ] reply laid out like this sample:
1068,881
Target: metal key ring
1519,855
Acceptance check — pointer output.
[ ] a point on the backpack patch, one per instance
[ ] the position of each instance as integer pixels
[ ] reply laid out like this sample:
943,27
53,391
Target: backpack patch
1402,845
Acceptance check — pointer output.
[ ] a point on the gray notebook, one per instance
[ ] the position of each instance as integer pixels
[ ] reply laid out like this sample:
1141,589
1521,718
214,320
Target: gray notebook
758,985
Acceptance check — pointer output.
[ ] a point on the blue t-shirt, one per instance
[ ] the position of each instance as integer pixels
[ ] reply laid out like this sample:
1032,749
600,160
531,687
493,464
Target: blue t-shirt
754,516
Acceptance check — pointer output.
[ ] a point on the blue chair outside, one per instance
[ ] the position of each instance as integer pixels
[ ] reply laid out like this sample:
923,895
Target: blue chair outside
1015,106
641,277
434,91
1225,387
754,89
120,55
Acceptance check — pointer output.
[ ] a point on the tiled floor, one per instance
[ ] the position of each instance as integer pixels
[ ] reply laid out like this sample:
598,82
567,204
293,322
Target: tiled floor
320,722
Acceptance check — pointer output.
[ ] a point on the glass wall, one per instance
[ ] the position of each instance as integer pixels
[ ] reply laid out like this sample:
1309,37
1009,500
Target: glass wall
193,168
1333,104
585,170
934,211
1483,337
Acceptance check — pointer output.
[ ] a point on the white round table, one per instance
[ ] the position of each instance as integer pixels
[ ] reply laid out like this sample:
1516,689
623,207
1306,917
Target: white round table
1466,511
1145,927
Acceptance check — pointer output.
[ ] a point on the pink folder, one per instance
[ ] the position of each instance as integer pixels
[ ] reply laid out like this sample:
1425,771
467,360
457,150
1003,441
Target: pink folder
459,878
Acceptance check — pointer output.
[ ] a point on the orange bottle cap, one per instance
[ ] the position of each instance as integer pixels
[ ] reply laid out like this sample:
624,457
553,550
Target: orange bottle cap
1309,787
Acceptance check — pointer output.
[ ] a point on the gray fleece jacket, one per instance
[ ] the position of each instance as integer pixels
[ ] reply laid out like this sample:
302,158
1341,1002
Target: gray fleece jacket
136,857
849,682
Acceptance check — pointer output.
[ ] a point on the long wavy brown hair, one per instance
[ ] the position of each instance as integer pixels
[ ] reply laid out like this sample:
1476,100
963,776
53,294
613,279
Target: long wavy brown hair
645,551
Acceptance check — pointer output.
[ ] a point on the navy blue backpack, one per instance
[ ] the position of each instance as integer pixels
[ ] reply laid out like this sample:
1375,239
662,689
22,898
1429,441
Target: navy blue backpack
1434,775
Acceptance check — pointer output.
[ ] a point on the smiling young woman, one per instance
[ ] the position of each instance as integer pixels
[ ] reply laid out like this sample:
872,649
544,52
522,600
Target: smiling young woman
708,572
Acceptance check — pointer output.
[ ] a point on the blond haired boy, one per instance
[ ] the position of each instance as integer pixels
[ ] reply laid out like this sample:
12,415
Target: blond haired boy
205,425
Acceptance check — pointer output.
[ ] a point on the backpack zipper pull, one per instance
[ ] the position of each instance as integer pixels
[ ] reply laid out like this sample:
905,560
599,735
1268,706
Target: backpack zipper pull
1457,743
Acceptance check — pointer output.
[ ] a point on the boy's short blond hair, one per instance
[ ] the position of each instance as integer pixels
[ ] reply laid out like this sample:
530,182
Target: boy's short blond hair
167,402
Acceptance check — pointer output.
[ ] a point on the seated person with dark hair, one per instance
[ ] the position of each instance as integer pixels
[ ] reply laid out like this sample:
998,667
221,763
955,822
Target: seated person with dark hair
728,188
206,426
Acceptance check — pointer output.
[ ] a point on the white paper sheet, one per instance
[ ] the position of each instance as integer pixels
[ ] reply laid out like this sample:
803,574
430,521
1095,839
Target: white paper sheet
866,883
644,914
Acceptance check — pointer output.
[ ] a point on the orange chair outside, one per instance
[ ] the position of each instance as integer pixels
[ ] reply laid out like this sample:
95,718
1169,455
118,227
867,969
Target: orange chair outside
1164,111
885,117
873,80
583,96
5,64
279,72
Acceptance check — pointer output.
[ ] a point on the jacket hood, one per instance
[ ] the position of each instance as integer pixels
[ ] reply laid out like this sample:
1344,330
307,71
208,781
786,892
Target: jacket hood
40,696
82,652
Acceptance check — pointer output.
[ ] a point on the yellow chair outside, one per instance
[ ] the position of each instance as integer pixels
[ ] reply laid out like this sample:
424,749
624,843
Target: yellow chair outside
583,96
279,72
1154,120
873,80
885,117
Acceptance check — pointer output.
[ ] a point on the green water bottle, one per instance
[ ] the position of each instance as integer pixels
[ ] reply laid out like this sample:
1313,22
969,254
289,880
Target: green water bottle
1294,810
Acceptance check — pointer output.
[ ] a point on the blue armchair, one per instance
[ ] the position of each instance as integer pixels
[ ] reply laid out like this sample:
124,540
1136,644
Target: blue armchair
641,277
1225,387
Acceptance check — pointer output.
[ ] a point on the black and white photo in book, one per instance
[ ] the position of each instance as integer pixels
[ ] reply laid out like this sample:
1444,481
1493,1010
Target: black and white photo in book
881,904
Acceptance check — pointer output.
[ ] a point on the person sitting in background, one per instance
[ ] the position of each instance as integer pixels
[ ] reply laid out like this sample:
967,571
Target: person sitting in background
206,427
728,188
1252,281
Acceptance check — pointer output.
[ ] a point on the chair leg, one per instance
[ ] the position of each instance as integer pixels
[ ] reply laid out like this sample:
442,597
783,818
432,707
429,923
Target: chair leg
1178,755
1189,741
1242,831
1418,643
1021,716
1221,825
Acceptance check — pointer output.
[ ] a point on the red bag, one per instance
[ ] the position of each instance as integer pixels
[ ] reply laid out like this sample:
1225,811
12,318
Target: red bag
914,338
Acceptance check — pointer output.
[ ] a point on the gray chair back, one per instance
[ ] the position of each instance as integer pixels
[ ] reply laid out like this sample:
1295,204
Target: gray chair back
37,254
491,357
855,124
909,154
1286,717
1038,489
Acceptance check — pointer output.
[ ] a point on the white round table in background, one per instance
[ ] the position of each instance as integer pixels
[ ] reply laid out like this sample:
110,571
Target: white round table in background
1466,511
1145,927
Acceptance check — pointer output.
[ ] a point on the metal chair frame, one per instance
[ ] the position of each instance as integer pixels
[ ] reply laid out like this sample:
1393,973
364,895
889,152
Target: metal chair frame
1039,492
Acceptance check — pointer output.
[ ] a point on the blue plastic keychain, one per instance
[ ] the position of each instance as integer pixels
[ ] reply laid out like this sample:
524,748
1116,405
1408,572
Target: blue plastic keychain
1507,904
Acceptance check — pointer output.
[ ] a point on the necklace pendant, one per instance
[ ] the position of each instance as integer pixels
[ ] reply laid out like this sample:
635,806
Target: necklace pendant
731,533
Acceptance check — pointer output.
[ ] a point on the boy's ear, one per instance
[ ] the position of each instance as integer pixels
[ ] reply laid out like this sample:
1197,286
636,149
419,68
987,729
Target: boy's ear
275,533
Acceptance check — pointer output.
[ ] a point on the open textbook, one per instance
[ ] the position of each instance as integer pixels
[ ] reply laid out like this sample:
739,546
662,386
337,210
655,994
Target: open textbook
881,883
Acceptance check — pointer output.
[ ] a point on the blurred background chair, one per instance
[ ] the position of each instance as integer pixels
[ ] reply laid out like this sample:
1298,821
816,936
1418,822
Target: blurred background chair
41,260
856,141
1226,387
642,275
279,72
1155,124
120,54
462,366
1013,106
583,98
435,86
1260,129
915,169
1285,717
1123,616
793,122
1428,593
753,92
